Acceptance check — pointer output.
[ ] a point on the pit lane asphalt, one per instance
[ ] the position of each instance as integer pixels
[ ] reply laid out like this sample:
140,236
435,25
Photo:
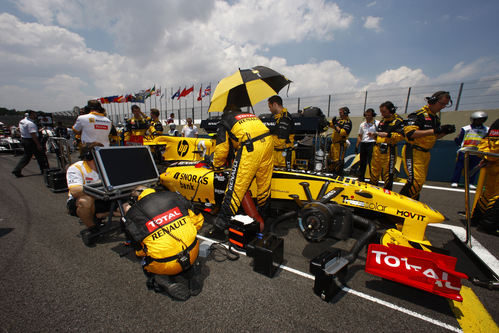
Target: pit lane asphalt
49,280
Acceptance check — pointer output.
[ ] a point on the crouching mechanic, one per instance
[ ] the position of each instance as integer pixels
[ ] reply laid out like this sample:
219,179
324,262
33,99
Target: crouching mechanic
253,146
422,130
163,228
486,212
80,204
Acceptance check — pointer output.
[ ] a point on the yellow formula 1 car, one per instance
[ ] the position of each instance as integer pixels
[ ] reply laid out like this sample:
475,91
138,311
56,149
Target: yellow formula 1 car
319,198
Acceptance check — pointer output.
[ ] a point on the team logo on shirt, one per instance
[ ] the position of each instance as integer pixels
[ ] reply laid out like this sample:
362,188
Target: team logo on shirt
91,120
100,127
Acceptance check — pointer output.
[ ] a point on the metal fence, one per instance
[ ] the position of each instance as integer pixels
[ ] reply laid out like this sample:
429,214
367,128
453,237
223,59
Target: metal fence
472,95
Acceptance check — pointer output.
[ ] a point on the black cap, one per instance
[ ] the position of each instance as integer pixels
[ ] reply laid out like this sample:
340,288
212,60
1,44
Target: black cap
94,104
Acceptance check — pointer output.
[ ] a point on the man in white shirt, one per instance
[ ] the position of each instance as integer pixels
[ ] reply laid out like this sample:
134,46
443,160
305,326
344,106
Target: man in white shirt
94,126
190,130
79,203
366,141
31,145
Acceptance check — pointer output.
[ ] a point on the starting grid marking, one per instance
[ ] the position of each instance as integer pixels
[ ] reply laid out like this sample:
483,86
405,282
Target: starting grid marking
360,294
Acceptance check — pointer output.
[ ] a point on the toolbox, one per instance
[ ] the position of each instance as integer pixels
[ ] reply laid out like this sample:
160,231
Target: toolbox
241,232
267,253
55,179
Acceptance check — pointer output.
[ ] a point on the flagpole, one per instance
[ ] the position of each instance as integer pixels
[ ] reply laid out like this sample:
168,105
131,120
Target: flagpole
193,93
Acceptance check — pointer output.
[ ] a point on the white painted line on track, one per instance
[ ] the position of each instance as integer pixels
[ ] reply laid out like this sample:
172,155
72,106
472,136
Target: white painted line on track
361,295
488,258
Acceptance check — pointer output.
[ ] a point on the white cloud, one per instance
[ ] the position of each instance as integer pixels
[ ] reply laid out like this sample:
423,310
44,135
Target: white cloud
48,65
370,4
400,77
373,23
172,43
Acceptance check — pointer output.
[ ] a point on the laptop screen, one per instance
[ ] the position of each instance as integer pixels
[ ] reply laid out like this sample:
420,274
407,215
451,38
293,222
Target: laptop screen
124,167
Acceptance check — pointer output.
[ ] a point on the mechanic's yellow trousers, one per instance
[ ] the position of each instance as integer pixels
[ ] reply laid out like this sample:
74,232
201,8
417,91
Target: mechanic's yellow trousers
491,193
383,165
337,157
416,167
258,165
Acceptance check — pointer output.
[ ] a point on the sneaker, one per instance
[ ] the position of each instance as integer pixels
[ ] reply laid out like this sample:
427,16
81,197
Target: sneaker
453,185
472,187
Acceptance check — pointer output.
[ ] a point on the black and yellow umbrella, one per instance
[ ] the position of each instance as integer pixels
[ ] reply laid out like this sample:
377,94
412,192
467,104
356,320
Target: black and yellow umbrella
246,87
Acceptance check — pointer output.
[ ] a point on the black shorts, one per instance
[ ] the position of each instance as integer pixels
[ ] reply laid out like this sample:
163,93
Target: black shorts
101,206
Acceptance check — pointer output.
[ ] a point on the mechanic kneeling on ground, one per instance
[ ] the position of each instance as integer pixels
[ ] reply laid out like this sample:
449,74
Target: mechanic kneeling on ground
80,204
163,228
250,138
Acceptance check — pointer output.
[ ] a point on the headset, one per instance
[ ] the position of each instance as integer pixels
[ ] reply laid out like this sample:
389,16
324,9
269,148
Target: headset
372,111
86,153
436,97
346,110
389,105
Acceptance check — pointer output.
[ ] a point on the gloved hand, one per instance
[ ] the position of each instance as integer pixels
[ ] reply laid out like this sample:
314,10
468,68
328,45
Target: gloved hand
356,150
445,129
334,121
208,159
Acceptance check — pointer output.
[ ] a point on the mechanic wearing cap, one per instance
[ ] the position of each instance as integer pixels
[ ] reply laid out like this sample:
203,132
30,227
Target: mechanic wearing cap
422,130
341,129
137,125
469,137
31,145
79,203
94,126
163,227
486,212
281,133
390,131
155,126
249,137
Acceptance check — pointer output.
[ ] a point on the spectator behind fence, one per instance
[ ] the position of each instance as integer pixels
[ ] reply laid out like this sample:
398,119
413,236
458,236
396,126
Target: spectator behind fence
366,141
171,119
31,145
469,137
190,130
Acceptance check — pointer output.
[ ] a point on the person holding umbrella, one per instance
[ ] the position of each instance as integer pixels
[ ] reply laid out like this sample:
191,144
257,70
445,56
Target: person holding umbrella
247,134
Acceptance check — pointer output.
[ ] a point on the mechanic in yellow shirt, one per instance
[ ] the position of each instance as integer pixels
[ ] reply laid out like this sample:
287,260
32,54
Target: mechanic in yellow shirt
422,130
282,136
341,129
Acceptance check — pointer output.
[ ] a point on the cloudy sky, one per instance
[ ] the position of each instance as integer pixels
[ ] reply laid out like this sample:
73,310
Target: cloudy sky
55,54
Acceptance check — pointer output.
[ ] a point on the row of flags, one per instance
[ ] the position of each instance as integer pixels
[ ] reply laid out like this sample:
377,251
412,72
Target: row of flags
142,95
186,91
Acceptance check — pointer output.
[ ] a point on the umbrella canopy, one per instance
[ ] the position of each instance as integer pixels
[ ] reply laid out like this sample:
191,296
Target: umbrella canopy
246,87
